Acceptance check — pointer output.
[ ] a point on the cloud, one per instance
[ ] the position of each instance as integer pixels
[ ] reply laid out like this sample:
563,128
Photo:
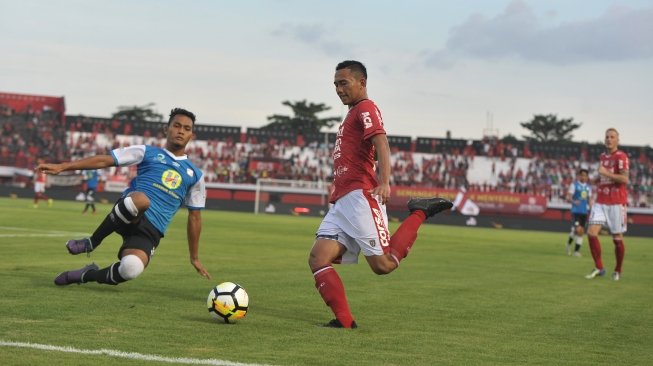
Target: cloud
621,33
314,35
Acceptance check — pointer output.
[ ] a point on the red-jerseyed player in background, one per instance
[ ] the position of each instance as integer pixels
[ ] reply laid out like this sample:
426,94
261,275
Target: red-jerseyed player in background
40,180
610,207
357,221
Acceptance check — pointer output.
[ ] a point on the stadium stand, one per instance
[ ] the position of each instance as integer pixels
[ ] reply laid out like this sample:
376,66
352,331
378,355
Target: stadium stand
230,156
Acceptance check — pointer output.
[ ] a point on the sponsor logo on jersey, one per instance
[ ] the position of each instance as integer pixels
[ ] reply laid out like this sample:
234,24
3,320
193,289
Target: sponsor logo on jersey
189,171
336,148
171,179
380,227
340,171
175,164
367,120
160,158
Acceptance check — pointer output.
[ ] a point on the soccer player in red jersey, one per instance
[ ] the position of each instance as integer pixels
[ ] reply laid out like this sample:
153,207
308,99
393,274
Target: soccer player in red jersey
40,180
610,207
357,221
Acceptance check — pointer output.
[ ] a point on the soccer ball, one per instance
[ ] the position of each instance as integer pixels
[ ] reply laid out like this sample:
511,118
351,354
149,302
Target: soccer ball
228,301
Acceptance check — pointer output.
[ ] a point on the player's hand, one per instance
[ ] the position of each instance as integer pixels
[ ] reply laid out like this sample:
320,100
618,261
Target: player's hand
382,192
200,269
50,168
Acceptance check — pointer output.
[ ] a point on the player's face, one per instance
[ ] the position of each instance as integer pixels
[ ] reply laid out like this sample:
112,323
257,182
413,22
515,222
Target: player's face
179,132
582,177
611,140
349,87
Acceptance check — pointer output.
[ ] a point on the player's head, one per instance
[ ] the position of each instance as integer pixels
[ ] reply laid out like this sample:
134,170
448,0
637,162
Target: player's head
356,67
611,139
180,129
583,175
351,82
183,112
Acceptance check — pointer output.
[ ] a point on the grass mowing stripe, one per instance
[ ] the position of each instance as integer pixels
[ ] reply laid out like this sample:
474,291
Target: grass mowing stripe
129,355
37,232
464,296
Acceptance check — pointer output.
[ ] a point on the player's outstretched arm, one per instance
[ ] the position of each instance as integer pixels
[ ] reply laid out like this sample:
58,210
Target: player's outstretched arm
194,228
93,162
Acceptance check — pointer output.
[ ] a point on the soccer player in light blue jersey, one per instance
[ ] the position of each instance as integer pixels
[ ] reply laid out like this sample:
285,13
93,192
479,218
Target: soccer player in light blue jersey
580,196
92,178
166,180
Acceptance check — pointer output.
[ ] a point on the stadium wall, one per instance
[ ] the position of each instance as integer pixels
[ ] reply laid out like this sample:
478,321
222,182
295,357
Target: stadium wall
554,219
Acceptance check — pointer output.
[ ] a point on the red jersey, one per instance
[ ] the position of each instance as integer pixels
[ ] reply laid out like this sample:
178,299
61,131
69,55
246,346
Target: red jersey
353,154
40,177
608,191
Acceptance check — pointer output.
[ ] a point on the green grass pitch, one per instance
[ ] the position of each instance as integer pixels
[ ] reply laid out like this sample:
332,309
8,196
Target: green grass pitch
464,296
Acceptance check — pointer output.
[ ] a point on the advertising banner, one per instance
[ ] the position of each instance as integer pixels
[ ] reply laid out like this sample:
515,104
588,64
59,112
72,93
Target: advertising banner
488,202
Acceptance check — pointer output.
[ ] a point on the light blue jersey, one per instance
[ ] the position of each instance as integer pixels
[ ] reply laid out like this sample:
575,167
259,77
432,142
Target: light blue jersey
580,192
169,181
92,178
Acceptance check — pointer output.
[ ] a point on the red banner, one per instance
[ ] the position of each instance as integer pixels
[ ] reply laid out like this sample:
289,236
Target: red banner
261,164
28,103
488,202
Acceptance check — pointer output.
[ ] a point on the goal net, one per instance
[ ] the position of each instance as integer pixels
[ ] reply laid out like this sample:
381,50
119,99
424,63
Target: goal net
273,193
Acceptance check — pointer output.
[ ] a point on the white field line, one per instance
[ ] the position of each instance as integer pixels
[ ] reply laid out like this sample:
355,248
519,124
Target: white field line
128,355
30,235
23,232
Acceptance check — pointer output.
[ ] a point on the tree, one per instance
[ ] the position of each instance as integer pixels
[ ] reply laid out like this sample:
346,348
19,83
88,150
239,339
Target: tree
509,139
548,128
138,113
304,119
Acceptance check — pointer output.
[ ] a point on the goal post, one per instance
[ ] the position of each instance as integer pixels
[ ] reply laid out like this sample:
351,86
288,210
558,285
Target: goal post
281,186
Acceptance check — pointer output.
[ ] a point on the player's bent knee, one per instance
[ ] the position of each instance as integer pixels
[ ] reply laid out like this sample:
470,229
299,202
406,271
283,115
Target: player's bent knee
130,267
315,261
325,250
140,200
312,261
381,266
382,270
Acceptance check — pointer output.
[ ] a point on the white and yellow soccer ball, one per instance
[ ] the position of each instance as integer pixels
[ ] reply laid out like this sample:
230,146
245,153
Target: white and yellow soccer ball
228,301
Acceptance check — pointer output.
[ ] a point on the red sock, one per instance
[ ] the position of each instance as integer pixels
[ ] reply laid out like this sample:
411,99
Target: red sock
402,240
329,284
619,251
595,248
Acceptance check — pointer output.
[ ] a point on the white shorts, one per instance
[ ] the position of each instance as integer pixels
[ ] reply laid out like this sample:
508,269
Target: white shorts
358,222
612,216
39,187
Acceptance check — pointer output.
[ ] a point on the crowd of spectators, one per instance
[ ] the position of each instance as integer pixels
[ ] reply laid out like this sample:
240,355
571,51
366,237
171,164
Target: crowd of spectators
516,167
26,137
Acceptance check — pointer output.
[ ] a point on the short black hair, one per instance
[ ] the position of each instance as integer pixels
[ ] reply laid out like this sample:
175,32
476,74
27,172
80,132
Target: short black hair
583,170
184,112
354,66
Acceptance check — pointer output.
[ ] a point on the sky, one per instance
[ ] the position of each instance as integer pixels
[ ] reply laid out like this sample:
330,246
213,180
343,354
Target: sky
464,67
